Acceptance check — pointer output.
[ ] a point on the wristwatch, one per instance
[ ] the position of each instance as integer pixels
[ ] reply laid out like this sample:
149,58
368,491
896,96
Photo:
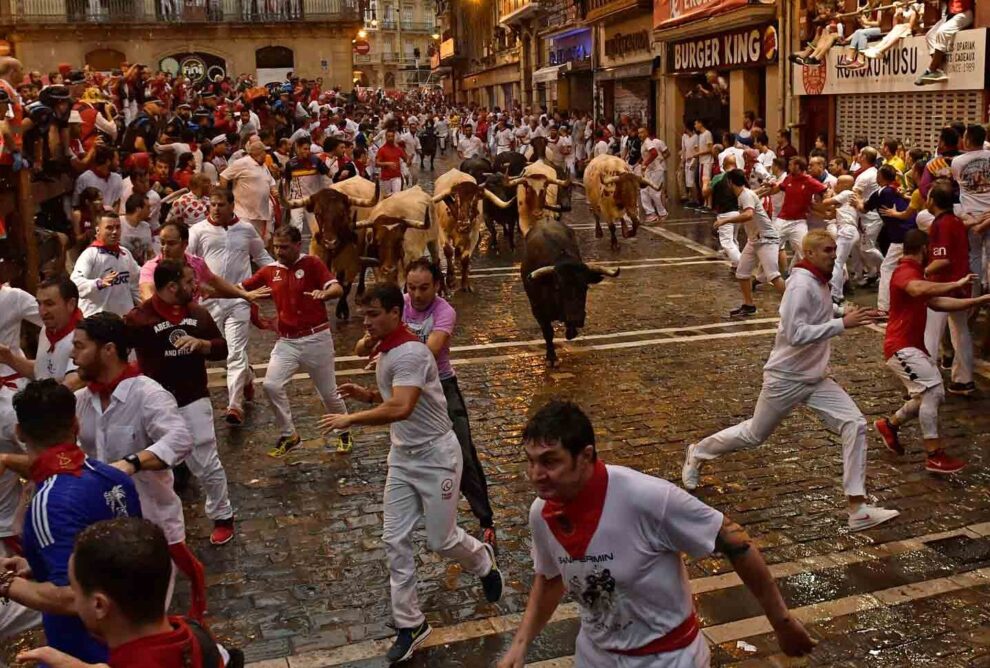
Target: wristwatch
134,461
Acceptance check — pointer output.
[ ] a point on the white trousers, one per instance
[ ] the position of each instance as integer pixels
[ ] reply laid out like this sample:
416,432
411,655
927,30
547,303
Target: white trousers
652,200
233,318
727,239
423,483
846,238
871,255
778,398
792,232
923,381
942,34
894,254
204,461
759,254
314,354
391,186
301,219
10,496
962,341
15,619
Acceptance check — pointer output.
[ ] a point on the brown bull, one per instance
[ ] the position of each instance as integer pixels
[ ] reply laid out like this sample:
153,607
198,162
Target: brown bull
336,241
535,199
387,243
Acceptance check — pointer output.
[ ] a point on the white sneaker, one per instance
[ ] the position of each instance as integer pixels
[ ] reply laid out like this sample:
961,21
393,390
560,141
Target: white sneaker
866,516
691,471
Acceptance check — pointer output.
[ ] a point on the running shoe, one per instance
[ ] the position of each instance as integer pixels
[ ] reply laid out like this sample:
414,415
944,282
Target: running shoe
344,443
489,538
284,445
936,76
866,516
961,389
223,532
888,433
946,362
942,463
406,642
691,472
492,583
234,417
743,311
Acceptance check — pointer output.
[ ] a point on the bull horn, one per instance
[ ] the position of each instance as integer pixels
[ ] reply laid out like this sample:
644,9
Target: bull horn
298,203
494,199
609,180
370,261
643,183
362,224
596,268
559,183
439,198
554,207
419,224
516,181
365,202
542,272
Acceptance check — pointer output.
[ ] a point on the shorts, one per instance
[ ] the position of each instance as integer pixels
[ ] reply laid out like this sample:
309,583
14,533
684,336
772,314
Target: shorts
689,178
915,369
763,252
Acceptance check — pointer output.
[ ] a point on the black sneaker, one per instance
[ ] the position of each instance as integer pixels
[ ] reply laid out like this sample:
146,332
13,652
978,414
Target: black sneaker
946,363
743,311
488,536
406,642
492,583
961,389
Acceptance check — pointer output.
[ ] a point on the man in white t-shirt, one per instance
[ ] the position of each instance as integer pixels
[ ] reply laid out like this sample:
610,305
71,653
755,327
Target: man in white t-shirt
971,170
469,146
106,273
653,168
615,540
844,229
424,465
253,188
869,221
704,152
689,163
504,138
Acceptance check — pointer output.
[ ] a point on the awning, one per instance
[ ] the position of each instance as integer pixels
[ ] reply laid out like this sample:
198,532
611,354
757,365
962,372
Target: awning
550,73
644,69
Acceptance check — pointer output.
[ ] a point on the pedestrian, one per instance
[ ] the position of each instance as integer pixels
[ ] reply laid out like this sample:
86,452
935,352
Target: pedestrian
888,198
173,338
470,146
870,222
230,246
653,167
106,273
424,465
940,37
845,231
797,372
130,421
300,285
304,176
253,188
72,492
719,194
800,190
911,297
615,540
388,162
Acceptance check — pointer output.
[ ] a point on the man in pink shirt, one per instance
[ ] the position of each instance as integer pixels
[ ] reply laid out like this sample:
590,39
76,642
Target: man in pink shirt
174,239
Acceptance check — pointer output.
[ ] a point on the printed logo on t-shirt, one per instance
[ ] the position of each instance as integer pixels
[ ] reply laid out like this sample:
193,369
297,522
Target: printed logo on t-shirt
116,501
446,488
422,329
596,593
300,273
975,176
277,276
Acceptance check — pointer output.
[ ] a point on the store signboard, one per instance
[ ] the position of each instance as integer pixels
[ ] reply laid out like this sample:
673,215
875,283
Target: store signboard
668,13
571,48
446,49
896,70
625,42
754,46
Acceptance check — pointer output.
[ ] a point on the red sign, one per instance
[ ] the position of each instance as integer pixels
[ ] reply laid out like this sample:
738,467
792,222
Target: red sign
361,47
669,13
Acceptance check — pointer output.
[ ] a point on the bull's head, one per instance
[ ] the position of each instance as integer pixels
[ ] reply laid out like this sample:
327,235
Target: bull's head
387,237
463,204
570,280
334,215
532,197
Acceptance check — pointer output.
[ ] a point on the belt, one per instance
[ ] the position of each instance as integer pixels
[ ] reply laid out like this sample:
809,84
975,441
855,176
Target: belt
677,638
305,332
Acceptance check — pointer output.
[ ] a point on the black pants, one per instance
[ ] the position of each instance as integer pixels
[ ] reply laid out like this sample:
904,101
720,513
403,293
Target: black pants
474,487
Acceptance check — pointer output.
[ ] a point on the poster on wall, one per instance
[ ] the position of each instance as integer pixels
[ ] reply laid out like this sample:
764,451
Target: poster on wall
896,70
194,66
669,13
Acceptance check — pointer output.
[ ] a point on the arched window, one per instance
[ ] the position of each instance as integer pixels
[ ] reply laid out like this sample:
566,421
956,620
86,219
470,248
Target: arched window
104,60
274,57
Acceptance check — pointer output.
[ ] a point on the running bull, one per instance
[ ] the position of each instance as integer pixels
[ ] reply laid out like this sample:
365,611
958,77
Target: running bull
399,231
613,193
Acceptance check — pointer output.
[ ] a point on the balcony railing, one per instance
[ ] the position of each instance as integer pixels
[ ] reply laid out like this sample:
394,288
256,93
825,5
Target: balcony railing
514,9
407,26
179,11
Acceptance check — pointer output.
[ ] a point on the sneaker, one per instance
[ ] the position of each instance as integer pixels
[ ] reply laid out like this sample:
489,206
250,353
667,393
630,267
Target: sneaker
492,583
937,76
691,472
284,445
344,442
234,417
223,532
488,537
406,642
946,362
961,389
940,462
888,433
743,311
866,516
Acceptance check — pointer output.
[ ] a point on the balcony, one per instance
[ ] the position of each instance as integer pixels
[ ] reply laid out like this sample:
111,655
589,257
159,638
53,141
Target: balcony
56,12
511,12
406,26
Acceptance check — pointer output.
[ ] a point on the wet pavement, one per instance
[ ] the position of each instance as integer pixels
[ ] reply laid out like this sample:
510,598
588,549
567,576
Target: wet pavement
658,365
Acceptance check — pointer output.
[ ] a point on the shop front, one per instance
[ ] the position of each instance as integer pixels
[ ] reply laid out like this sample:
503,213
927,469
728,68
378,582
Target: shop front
195,66
624,78
567,81
881,101
496,87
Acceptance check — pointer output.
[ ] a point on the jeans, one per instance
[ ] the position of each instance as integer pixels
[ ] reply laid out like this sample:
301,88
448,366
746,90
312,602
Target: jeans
474,486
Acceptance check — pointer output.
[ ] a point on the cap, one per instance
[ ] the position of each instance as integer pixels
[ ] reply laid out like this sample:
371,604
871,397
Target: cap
207,94
75,117
75,77
183,105
56,93
219,139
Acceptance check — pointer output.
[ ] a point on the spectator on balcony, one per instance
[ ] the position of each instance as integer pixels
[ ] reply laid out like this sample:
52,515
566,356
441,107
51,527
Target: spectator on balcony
907,21
958,16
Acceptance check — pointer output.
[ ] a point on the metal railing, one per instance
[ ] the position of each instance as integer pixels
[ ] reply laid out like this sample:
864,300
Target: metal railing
184,11
506,7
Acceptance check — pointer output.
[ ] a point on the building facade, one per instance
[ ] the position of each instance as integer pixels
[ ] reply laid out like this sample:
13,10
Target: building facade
400,41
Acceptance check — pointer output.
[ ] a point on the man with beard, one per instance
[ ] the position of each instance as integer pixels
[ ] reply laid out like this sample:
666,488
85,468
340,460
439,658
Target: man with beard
173,338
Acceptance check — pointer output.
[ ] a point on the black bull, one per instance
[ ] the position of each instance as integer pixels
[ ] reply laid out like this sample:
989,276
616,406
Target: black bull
556,280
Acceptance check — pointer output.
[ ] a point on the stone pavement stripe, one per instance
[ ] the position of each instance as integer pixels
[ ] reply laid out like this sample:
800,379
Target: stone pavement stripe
567,611
652,265
516,266
561,346
681,239
215,371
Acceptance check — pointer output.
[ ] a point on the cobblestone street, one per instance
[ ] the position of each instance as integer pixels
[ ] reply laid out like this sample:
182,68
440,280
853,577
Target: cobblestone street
657,366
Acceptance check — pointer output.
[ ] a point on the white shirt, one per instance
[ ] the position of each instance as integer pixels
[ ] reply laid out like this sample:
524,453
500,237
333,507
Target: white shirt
503,139
760,228
154,201
16,305
566,147
766,158
252,188
971,170
866,185
10,483
141,415
111,187
802,347
659,164
137,239
53,361
410,143
632,584
705,146
93,264
601,148
689,144
738,153
845,212
228,251
411,364
470,147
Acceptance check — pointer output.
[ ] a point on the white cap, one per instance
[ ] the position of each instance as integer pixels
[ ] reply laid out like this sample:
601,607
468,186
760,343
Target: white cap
74,117
219,139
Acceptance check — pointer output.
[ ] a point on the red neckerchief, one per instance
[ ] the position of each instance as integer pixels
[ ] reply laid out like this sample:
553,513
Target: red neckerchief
104,390
177,648
174,313
394,339
815,271
8,381
107,248
574,523
233,221
61,458
59,334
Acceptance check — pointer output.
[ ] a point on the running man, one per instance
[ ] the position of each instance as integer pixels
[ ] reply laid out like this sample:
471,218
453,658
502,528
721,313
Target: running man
615,540
798,373
424,465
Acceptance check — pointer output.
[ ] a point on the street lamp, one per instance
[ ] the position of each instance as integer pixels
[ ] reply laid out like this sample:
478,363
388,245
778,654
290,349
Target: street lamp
436,36
362,33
